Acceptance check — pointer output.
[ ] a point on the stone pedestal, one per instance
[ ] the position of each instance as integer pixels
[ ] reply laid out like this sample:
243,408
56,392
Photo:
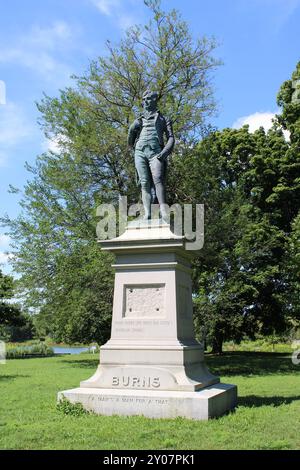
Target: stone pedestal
152,365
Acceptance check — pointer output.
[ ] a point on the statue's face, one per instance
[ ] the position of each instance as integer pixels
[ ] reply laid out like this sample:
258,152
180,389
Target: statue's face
150,102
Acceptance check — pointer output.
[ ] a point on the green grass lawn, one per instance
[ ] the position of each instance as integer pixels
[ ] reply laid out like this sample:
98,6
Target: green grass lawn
267,417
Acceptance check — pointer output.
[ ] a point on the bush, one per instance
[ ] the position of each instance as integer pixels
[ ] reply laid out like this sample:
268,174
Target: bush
38,349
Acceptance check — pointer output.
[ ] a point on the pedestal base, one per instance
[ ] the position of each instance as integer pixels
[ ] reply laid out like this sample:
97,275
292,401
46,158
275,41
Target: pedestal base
175,367
201,405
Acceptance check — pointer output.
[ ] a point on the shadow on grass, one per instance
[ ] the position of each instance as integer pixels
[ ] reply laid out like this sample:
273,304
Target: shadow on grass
251,363
83,363
256,401
8,378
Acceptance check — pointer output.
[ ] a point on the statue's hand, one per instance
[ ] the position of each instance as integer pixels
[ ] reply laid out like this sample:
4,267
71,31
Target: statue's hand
159,157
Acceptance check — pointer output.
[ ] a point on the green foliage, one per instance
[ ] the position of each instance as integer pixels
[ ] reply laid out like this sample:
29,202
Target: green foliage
266,344
36,349
6,286
291,273
247,275
10,315
14,325
23,332
289,118
79,298
70,409
235,274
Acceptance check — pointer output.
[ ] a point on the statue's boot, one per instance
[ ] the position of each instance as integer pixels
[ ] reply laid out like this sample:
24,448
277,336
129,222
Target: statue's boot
161,196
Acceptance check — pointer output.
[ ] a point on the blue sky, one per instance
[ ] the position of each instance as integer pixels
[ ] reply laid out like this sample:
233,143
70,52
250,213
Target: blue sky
44,42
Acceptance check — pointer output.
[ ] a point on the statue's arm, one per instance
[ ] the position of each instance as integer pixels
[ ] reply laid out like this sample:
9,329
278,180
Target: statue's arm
170,140
132,133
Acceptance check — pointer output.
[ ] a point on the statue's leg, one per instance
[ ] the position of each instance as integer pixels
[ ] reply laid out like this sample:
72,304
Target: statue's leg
157,170
142,167
154,199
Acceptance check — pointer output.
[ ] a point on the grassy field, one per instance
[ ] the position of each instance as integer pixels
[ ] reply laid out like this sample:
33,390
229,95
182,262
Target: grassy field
267,417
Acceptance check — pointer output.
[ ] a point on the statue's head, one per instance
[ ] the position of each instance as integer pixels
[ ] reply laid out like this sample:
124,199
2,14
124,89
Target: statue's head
150,99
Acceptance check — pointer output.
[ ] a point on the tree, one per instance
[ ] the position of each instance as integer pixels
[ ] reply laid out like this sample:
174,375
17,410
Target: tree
62,271
291,272
288,192
82,290
11,317
247,275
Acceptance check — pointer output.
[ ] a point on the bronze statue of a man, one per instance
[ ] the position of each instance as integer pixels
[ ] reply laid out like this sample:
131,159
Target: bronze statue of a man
151,137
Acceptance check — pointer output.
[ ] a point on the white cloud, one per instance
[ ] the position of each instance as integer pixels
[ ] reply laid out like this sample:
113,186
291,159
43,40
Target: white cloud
14,128
257,120
2,92
107,6
5,265
49,37
4,240
39,48
127,21
4,258
119,10
13,125
53,146
56,144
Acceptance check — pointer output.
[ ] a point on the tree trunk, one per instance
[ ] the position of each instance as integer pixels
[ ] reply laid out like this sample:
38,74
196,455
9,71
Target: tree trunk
217,343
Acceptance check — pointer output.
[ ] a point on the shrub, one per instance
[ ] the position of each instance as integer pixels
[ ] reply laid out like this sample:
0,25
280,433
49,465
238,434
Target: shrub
37,349
70,409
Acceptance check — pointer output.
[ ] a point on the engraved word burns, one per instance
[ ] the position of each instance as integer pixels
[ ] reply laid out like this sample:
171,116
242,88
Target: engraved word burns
138,382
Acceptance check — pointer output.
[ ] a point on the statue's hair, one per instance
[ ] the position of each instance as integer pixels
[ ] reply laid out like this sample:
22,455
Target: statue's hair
150,92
